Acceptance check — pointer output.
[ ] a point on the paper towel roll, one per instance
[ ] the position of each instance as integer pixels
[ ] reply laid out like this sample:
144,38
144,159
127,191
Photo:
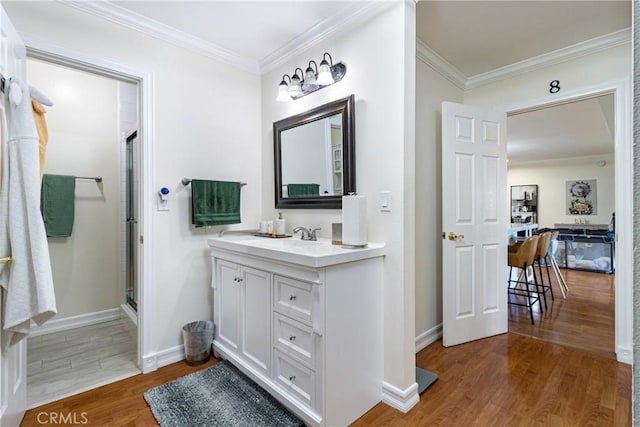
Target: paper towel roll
354,220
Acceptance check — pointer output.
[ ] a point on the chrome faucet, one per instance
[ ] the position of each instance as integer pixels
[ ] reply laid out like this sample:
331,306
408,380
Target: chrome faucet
306,233
312,234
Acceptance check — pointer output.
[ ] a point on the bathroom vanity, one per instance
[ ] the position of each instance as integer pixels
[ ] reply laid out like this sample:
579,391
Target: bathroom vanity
304,320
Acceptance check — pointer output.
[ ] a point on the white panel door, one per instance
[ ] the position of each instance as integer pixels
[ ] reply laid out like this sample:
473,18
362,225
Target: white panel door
13,362
474,221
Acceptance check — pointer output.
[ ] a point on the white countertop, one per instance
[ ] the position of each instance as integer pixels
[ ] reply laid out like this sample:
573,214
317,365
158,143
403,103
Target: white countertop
308,253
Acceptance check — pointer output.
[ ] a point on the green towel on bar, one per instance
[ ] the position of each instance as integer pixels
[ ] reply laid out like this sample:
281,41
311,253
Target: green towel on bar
57,204
215,202
303,190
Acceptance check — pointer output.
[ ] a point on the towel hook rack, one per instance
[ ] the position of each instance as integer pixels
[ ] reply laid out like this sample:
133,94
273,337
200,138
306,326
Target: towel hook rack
187,181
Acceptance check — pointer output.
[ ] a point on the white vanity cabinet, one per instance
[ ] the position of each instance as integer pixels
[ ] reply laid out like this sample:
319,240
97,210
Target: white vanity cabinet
244,318
310,331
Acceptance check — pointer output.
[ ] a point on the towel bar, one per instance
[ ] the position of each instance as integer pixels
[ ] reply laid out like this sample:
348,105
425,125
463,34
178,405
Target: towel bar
5,260
187,181
95,178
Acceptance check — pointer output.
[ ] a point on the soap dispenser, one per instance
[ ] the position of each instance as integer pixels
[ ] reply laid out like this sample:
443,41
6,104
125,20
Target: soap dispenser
280,225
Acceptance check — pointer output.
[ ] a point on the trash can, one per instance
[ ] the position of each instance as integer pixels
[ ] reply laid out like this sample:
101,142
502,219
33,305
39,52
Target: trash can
197,337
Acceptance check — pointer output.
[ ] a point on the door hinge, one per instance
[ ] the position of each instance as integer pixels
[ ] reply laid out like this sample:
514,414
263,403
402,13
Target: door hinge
141,239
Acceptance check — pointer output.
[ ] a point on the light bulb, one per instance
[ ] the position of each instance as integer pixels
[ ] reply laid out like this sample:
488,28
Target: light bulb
324,74
294,88
283,92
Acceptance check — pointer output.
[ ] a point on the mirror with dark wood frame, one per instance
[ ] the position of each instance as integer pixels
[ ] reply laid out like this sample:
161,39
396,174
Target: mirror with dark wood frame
314,157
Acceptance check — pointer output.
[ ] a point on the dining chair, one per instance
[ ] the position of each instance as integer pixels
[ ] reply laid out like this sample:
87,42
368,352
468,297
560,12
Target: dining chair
522,256
542,255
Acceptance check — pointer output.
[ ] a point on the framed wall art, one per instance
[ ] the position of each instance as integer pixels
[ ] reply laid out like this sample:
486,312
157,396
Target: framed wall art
582,197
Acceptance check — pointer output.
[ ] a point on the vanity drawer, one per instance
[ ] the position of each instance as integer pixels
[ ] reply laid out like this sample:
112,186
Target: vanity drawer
296,378
294,298
294,338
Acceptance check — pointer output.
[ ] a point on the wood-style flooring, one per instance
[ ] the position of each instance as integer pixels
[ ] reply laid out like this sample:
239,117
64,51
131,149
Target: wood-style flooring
507,380
584,320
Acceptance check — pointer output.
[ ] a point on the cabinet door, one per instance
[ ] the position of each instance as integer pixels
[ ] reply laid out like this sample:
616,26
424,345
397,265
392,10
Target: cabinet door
256,317
228,292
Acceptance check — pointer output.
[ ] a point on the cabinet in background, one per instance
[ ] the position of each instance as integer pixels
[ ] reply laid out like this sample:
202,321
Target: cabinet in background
524,204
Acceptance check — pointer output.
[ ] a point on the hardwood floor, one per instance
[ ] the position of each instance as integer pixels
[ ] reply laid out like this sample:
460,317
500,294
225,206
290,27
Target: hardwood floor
514,380
585,319
509,380
518,379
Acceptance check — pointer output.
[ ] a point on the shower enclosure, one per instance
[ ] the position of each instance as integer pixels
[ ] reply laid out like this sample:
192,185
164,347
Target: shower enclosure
132,222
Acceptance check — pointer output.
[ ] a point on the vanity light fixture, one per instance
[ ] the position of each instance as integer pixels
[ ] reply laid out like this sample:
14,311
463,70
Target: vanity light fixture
283,90
295,88
303,83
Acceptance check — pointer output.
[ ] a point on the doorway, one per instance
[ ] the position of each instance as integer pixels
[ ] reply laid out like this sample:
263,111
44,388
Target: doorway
589,126
92,340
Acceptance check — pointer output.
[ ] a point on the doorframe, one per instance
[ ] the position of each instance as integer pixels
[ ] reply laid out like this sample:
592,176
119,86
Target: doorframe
621,89
41,49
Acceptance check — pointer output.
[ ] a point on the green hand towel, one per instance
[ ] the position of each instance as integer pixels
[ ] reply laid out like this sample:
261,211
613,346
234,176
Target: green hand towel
215,202
57,204
303,190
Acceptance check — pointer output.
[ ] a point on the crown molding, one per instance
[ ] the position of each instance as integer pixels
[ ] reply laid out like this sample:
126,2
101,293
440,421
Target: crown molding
135,21
356,14
568,53
427,55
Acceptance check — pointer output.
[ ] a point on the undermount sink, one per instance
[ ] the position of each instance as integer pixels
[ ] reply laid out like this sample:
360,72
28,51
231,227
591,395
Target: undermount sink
309,253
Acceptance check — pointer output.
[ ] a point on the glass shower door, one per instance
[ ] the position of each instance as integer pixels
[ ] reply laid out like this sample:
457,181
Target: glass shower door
132,223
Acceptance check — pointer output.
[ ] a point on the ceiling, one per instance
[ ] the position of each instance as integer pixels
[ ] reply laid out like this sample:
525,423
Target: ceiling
579,129
475,37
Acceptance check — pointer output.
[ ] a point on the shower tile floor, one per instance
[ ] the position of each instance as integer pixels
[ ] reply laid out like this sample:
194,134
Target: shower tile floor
65,363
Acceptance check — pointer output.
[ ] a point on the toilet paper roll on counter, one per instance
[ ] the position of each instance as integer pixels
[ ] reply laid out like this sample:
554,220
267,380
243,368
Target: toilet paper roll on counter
354,221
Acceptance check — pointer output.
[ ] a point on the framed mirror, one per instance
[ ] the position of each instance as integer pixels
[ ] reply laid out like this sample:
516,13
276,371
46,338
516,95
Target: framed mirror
314,155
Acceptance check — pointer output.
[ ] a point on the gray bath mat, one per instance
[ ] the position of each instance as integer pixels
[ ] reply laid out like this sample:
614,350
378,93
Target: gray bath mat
217,396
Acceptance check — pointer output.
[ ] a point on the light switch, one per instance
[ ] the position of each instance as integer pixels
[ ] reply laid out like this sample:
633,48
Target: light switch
385,201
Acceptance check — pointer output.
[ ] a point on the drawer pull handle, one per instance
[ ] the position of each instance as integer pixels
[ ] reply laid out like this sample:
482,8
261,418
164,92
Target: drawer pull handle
292,338
292,297
292,378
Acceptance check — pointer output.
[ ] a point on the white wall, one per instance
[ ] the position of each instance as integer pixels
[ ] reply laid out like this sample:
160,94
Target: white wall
432,88
380,73
610,65
83,141
207,117
550,177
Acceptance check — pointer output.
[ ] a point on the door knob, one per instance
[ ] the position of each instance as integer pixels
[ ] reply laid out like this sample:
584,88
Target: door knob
454,236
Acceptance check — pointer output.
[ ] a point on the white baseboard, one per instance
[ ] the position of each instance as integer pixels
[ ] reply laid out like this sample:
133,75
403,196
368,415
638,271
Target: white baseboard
72,322
152,362
624,354
170,355
428,337
402,400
